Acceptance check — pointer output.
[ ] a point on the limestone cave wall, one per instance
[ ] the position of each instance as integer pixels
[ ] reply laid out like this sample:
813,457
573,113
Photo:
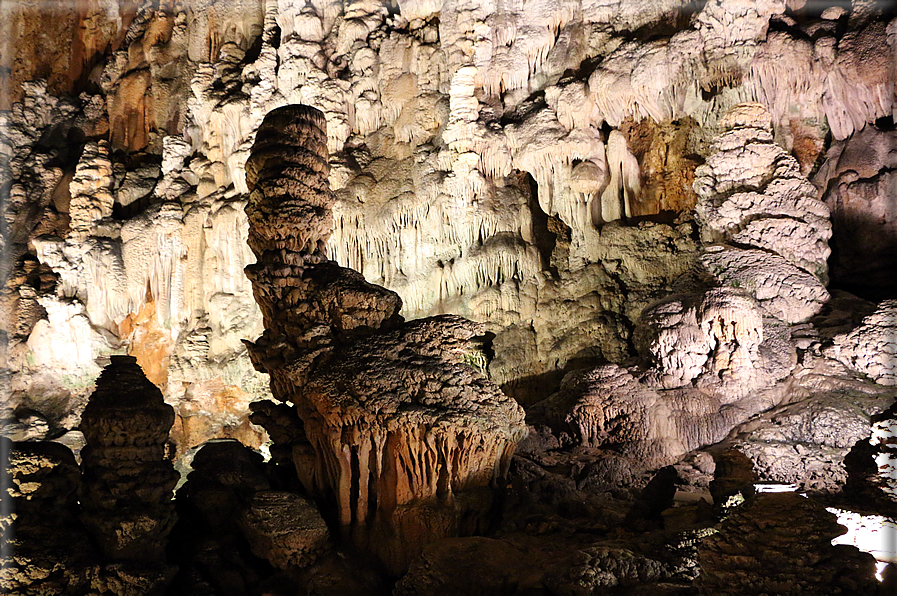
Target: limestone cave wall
671,225
536,178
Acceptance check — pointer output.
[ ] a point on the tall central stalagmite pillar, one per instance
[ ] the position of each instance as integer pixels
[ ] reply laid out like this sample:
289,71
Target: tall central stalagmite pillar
405,438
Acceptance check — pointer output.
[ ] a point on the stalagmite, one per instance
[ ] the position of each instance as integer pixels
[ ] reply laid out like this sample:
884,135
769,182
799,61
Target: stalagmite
753,196
401,433
126,493
623,188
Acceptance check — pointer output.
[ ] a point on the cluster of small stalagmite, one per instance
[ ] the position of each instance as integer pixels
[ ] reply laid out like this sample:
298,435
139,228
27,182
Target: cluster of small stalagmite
400,433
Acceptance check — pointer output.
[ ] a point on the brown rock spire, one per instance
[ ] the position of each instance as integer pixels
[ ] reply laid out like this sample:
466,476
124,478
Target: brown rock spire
401,434
126,490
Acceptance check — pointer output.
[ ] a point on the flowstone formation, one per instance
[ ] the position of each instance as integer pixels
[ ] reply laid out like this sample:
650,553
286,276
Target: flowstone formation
767,245
871,348
400,433
529,165
715,352
521,164
772,231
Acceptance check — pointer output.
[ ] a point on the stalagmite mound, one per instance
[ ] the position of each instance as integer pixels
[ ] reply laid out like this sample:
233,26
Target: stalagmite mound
102,529
399,430
128,481
43,546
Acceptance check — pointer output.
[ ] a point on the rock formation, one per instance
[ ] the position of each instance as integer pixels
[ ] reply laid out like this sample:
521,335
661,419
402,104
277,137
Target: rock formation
44,548
284,529
713,356
103,531
211,552
734,562
401,433
128,481
870,348
631,196
753,197
857,179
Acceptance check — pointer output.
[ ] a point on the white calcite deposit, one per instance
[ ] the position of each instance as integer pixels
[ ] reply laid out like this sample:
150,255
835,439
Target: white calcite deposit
871,348
497,160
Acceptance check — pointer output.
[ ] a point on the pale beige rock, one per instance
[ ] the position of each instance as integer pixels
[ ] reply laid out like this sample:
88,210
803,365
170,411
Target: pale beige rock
871,348
91,189
712,340
782,289
752,194
608,407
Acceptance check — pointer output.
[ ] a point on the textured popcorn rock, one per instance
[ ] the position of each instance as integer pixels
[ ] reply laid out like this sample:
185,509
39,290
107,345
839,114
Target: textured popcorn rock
805,443
397,427
47,550
871,348
719,335
285,529
752,194
128,482
721,340
782,289
43,480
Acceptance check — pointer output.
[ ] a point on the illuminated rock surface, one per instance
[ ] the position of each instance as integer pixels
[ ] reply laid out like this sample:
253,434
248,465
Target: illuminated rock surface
631,196
406,437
